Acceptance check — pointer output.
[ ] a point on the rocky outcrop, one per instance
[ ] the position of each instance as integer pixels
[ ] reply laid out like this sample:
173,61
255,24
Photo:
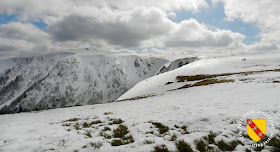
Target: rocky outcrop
176,64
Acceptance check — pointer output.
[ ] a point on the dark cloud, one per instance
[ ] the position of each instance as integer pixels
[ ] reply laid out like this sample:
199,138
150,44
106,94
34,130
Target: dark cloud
7,48
126,30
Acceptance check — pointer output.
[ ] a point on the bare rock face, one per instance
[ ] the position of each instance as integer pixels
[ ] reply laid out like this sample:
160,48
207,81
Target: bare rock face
176,64
67,79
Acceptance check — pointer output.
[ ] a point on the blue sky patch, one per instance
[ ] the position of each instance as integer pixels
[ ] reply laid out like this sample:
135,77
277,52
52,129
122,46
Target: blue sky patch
4,19
214,16
40,24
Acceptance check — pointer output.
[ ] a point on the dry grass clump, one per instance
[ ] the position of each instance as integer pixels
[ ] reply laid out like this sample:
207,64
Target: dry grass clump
72,120
108,113
206,82
194,77
185,130
122,133
96,145
209,76
182,146
200,145
210,138
162,128
117,121
161,148
105,135
274,144
227,146
95,122
138,97
116,142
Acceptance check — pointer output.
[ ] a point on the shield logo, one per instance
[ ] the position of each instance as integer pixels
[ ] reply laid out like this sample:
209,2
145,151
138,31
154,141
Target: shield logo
256,128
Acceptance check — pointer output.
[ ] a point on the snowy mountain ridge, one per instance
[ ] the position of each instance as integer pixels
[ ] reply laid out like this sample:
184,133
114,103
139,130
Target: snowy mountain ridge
67,79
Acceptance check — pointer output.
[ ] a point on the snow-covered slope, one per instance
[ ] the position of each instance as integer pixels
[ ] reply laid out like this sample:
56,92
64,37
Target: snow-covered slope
172,65
65,79
191,115
167,81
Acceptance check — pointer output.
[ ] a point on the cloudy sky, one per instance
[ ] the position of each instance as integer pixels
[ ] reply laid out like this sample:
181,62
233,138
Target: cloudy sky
163,27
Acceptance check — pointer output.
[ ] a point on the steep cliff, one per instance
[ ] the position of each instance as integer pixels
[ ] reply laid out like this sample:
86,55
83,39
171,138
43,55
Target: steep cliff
66,79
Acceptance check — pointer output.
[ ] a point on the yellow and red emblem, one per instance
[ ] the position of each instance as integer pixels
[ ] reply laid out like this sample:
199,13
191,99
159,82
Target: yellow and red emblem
256,128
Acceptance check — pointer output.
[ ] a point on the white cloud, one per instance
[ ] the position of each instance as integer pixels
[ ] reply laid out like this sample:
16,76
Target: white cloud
130,24
16,36
28,32
171,15
34,9
264,13
191,34
14,45
37,9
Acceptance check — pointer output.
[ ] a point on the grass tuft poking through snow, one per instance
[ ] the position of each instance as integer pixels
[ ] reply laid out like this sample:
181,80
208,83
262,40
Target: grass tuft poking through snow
102,133
107,129
150,132
275,144
210,138
128,139
120,132
96,145
95,122
117,121
88,134
72,119
227,146
200,145
108,113
162,128
86,125
182,146
116,142
185,130
161,148
77,126
123,141
173,137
